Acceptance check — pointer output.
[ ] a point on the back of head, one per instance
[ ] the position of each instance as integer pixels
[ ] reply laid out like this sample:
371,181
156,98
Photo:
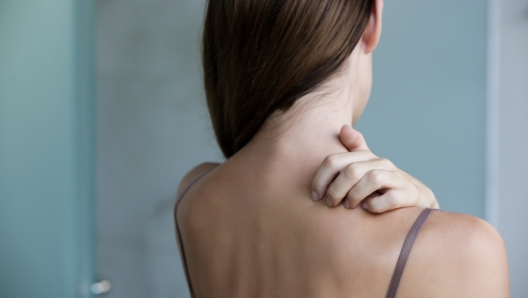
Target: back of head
260,56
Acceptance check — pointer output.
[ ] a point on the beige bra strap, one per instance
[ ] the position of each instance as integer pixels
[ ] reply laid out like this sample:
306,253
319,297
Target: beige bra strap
405,251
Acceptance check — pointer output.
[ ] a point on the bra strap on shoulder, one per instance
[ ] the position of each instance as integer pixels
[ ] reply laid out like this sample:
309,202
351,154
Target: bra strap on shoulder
179,238
405,251
191,184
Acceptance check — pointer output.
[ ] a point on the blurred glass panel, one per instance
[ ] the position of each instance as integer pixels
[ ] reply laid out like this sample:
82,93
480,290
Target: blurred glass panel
152,128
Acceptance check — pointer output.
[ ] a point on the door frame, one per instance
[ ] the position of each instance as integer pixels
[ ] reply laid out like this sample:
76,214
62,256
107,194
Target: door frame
492,114
507,133
85,15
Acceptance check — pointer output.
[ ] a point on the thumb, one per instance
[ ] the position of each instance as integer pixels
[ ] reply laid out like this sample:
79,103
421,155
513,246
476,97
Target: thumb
352,139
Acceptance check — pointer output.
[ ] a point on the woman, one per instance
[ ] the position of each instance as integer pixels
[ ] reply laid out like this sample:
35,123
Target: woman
285,80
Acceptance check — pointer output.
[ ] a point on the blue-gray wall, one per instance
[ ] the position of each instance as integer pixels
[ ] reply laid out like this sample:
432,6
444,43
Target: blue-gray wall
152,128
427,110
46,148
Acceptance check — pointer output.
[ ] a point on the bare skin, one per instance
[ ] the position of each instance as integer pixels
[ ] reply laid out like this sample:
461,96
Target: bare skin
269,240
250,229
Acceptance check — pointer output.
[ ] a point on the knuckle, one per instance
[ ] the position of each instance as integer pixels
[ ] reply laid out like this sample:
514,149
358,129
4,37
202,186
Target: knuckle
330,161
325,162
351,171
375,176
373,206
394,200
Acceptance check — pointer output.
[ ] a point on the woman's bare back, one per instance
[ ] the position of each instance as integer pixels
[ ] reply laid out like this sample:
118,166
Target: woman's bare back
268,239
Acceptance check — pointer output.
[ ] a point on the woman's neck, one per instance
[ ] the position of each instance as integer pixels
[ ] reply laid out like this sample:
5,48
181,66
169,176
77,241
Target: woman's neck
298,140
292,144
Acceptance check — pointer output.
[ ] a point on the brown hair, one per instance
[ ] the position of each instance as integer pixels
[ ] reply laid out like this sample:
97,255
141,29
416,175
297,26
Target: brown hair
260,56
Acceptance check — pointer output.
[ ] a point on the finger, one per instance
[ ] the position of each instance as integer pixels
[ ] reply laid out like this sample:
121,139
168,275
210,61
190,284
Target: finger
332,166
352,139
432,202
390,200
349,176
373,181
370,197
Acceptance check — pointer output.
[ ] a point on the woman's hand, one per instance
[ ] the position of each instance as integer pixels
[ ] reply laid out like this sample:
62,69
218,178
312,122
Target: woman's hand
359,176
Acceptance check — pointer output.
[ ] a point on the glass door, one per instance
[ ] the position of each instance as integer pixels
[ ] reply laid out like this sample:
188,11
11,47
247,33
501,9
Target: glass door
151,114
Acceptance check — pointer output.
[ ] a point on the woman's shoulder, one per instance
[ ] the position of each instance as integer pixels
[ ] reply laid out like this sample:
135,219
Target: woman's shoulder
181,208
466,229
462,236
457,255
454,255
193,174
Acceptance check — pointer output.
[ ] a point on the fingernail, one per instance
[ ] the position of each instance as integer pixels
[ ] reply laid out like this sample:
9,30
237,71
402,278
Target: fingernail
364,206
329,203
347,204
315,197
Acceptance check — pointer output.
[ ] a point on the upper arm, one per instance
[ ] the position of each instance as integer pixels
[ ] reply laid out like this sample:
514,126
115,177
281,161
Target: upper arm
457,255
192,174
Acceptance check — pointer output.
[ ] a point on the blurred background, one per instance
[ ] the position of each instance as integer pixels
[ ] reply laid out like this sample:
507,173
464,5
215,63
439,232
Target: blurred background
102,112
